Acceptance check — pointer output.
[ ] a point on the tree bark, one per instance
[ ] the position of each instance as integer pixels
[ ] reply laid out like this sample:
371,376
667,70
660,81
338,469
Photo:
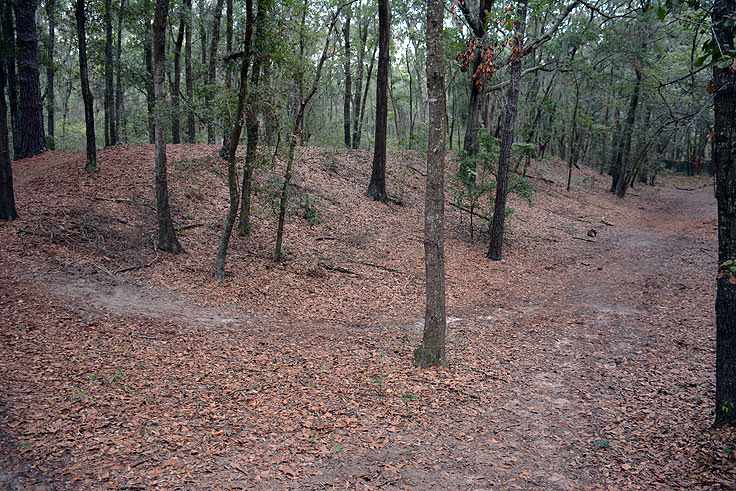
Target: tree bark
432,350
363,30
89,113
232,177
176,85
724,135
50,71
7,196
495,247
377,186
150,91
167,240
251,119
624,164
30,115
212,76
119,70
109,99
191,128
348,81
365,97
228,66
11,73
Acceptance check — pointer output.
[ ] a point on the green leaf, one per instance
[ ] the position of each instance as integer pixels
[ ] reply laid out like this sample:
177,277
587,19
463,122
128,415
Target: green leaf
701,59
661,12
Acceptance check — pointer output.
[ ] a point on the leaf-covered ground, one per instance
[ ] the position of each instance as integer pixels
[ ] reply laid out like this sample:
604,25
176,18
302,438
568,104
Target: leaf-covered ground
577,363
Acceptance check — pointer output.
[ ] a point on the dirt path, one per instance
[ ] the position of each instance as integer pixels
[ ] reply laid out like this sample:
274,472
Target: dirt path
591,371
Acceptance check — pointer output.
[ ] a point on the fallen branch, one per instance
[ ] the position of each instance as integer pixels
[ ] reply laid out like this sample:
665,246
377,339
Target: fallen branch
187,227
123,200
417,171
377,266
684,189
339,269
586,240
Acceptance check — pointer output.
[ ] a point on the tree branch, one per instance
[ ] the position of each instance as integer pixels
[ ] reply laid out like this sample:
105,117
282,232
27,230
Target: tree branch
550,32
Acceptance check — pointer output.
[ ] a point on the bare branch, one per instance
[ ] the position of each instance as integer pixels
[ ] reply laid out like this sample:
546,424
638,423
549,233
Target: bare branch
551,31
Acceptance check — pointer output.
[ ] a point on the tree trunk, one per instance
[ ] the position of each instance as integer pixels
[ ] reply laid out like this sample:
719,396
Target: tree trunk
109,100
432,350
11,74
167,240
89,113
212,76
176,85
363,30
191,128
348,81
50,71
622,181
377,186
119,70
232,177
270,116
150,91
724,105
260,47
228,68
356,142
294,139
512,99
7,196
30,116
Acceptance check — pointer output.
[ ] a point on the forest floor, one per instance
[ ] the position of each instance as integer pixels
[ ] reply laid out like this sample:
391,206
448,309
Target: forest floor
576,363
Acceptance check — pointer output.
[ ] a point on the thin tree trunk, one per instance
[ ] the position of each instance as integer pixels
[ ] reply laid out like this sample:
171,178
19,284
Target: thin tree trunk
251,119
377,186
191,128
212,77
167,240
365,97
232,177
228,67
294,139
10,60
348,81
270,116
176,86
89,113
622,181
50,72
432,350
119,69
30,116
7,195
363,30
512,99
109,99
148,54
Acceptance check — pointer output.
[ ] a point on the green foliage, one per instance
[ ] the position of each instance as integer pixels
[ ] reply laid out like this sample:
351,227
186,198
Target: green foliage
473,187
309,209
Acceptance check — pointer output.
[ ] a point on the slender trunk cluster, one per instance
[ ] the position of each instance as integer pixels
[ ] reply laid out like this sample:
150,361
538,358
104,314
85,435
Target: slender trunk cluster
7,195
